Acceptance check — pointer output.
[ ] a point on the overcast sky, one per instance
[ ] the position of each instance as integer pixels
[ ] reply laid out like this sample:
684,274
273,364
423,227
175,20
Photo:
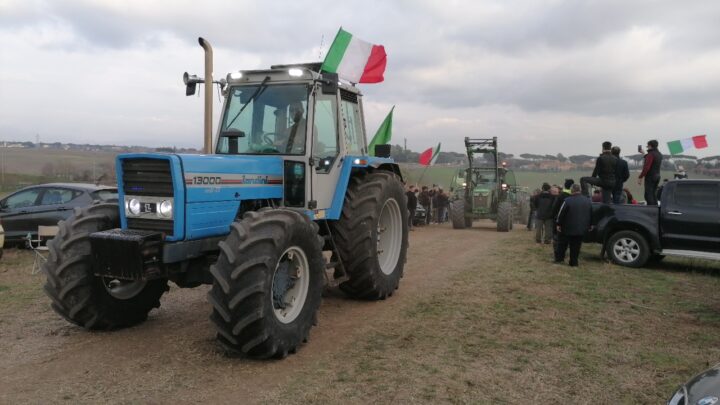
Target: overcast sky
543,76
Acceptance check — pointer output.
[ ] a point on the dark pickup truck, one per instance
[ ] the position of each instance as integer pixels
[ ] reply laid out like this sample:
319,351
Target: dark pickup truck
687,223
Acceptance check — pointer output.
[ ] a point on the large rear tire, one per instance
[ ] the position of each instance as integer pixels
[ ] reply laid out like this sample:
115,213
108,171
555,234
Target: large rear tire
372,235
504,216
457,214
267,284
85,299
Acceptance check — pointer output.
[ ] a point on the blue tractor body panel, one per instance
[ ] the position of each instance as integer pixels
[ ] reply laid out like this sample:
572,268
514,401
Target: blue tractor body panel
208,189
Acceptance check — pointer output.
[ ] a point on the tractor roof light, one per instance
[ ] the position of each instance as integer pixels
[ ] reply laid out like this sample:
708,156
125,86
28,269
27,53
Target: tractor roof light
235,75
295,72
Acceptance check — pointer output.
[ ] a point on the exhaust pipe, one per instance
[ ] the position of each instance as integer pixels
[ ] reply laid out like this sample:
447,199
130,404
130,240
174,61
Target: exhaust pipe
208,93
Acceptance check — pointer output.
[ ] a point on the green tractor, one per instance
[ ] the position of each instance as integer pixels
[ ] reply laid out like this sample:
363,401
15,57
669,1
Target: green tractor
487,191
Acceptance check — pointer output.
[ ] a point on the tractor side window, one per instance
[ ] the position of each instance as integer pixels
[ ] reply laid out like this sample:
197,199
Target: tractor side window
325,146
354,141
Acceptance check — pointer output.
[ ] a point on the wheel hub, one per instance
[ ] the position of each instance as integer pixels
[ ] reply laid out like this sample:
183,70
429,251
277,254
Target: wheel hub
389,236
290,284
123,289
626,250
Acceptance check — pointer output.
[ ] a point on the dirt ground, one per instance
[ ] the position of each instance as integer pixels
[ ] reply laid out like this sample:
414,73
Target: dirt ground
480,317
173,356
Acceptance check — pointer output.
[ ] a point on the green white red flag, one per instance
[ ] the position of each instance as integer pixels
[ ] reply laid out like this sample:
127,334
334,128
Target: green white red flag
429,156
355,60
680,146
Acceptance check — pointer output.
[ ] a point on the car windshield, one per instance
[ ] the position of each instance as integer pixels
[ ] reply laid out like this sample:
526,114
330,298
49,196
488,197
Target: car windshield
265,119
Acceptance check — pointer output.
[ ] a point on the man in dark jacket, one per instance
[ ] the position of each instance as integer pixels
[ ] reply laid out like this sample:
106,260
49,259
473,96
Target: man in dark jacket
424,200
603,175
622,173
543,213
412,202
573,221
651,172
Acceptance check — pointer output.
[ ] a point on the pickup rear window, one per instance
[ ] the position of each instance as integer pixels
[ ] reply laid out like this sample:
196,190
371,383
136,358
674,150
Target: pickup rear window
697,195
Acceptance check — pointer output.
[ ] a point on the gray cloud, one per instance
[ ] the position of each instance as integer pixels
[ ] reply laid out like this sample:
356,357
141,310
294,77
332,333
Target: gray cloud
534,72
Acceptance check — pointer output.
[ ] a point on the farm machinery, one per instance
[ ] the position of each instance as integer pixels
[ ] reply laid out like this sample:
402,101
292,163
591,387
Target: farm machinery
285,200
488,190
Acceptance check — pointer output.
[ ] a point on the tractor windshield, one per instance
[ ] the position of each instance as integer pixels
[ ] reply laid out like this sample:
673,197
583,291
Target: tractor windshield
264,119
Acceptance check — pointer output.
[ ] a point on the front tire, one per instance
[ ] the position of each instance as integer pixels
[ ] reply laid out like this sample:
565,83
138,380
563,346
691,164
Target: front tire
96,303
372,235
504,217
457,214
267,284
628,248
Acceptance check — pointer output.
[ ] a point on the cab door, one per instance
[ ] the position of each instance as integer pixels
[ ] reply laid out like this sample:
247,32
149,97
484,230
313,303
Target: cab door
690,217
325,151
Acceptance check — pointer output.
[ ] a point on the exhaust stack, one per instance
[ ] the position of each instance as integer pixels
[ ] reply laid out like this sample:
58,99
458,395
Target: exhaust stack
208,93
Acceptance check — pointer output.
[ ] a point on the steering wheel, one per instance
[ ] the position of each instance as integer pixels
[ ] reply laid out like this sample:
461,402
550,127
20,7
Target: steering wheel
266,138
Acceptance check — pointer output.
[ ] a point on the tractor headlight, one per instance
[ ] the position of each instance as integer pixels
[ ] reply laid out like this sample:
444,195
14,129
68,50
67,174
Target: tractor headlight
165,209
464,184
133,206
504,186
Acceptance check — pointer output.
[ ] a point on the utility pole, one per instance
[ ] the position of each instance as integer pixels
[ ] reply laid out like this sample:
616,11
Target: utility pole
405,144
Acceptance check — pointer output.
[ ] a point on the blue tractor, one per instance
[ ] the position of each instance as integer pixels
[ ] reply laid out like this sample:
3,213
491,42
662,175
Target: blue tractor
286,200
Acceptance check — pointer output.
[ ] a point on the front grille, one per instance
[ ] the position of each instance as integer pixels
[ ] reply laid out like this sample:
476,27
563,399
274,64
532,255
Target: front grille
159,225
150,177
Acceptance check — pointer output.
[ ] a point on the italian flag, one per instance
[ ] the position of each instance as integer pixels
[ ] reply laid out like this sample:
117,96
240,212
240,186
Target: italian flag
680,146
429,156
355,60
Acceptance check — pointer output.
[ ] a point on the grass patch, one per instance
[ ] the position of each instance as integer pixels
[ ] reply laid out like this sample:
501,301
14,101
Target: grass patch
18,288
512,327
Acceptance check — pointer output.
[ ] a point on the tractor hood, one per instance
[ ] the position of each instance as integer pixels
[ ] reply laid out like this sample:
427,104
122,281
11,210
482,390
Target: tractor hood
231,177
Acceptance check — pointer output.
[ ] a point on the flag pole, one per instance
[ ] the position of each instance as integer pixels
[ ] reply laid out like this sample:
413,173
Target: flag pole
423,174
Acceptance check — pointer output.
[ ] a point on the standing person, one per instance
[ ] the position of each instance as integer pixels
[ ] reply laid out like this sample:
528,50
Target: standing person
622,174
434,204
651,171
572,222
603,175
442,203
424,200
565,193
531,215
412,202
543,209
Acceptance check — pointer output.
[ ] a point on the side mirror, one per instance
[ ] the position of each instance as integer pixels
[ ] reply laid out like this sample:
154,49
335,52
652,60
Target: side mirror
382,151
191,82
329,83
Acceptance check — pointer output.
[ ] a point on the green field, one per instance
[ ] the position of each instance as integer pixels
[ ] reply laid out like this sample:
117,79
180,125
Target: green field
442,176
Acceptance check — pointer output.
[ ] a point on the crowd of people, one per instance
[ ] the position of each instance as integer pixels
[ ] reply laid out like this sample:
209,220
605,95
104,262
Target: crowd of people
562,216
434,200
611,172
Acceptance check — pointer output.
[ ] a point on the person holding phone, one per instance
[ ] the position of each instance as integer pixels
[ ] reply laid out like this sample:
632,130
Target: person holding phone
652,161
